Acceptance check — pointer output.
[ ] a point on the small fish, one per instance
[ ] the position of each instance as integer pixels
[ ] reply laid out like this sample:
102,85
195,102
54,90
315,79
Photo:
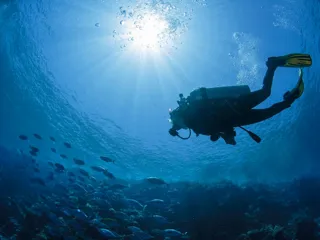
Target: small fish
156,181
106,159
109,174
67,145
52,139
151,206
93,179
59,167
134,229
33,153
23,137
53,150
121,215
156,200
37,136
79,214
33,160
107,234
134,203
78,187
173,233
98,168
96,222
71,174
36,169
159,219
66,212
154,203
78,161
37,180
63,156
50,163
84,172
97,24
34,149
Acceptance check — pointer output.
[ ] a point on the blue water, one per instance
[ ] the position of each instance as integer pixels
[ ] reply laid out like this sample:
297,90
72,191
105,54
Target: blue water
68,69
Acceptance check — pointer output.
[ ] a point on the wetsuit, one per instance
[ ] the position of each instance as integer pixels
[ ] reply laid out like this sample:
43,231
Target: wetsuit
209,118
245,103
218,117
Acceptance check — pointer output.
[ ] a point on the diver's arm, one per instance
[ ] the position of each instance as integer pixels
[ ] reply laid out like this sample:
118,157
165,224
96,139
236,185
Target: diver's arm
174,130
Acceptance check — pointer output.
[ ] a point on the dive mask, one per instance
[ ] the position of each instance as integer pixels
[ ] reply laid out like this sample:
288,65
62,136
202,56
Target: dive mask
176,119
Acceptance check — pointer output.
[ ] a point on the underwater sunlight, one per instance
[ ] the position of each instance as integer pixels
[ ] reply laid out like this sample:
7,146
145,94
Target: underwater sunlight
147,32
151,26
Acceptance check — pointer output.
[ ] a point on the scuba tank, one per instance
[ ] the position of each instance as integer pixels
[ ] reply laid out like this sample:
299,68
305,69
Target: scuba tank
218,93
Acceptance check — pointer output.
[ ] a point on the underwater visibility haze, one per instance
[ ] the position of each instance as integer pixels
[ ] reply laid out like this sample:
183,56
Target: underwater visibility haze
103,75
86,92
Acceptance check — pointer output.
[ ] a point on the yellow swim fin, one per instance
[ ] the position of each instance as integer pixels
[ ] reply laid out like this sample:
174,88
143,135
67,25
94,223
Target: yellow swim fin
295,60
300,84
298,90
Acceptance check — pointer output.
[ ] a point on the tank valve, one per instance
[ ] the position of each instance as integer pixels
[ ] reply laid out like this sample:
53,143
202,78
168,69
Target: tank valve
182,100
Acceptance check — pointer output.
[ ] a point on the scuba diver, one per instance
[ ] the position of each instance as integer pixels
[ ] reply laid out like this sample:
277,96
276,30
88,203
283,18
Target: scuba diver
215,112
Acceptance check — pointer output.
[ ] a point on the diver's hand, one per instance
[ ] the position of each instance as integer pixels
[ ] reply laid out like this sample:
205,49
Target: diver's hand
173,132
229,137
230,140
214,137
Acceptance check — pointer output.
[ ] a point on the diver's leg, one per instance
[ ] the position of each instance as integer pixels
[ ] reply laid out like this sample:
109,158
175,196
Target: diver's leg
249,101
258,115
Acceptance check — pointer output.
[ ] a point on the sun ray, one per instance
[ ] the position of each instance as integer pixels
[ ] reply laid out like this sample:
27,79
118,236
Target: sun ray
147,31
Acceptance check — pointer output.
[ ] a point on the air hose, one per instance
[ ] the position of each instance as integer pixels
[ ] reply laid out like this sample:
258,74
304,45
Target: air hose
254,136
184,138
174,133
